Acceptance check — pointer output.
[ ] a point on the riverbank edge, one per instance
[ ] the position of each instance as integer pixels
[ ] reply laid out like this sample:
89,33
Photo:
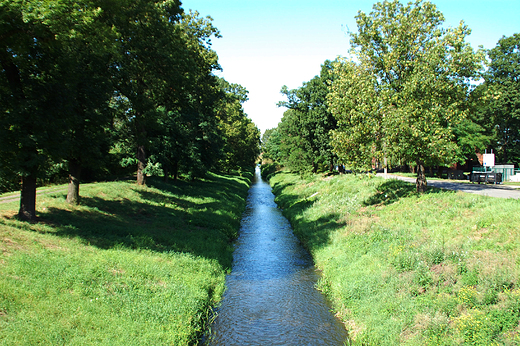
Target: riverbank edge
397,274
130,258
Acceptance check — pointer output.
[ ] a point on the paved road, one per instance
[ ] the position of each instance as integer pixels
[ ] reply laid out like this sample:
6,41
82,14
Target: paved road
499,191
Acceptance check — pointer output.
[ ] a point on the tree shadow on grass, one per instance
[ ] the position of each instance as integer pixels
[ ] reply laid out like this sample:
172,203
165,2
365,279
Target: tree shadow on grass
316,234
194,218
392,190
312,234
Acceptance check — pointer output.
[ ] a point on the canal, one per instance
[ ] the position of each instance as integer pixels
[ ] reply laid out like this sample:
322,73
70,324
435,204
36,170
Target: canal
271,297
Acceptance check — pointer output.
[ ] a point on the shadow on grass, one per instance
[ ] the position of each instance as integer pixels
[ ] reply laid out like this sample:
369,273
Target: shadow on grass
316,234
312,234
201,218
278,187
392,190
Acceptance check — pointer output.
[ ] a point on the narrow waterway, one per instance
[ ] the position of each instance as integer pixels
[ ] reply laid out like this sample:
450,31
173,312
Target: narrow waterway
270,297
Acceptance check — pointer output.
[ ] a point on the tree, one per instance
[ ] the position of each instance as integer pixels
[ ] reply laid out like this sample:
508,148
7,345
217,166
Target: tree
241,136
502,98
151,52
166,71
90,53
66,65
315,119
354,101
293,150
34,80
269,145
416,77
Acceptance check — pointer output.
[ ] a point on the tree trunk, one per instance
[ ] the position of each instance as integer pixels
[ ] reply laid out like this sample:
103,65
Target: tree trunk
439,171
141,165
27,210
176,170
421,177
74,176
166,174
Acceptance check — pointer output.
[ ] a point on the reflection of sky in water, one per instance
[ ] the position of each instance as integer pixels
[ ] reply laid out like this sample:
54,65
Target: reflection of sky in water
270,297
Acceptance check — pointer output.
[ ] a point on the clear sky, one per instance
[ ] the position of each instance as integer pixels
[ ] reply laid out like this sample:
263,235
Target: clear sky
266,44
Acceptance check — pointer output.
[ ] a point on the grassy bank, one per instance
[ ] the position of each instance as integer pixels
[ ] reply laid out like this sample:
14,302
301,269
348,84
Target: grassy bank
440,268
130,266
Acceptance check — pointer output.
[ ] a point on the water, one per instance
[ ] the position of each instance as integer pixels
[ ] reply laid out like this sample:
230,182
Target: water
270,297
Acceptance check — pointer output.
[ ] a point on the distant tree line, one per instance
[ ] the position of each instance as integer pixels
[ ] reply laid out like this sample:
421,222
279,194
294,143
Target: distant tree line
411,92
95,86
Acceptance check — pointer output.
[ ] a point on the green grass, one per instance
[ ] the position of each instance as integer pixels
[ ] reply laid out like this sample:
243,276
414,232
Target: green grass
440,268
129,266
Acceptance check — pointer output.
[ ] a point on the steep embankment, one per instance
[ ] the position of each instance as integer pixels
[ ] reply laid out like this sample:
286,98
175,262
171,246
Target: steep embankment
440,268
130,266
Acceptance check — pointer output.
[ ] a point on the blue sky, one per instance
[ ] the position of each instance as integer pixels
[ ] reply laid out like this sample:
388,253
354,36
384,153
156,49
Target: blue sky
266,44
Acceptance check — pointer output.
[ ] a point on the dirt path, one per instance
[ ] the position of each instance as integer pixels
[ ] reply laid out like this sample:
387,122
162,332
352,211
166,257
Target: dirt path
499,191
41,191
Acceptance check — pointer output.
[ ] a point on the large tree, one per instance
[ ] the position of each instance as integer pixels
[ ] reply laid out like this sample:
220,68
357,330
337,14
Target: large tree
241,136
35,80
91,53
502,98
293,150
150,64
165,78
270,145
66,64
416,76
354,101
314,118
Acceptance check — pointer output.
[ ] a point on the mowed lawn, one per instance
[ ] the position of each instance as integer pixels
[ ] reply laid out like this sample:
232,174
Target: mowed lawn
441,268
130,266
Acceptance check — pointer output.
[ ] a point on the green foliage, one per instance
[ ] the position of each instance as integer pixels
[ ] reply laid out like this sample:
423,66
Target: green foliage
438,268
301,141
132,265
34,81
91,83
406,94
241,136
501,100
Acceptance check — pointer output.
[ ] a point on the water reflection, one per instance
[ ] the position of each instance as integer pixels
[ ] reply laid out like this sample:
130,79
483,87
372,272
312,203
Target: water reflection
270,297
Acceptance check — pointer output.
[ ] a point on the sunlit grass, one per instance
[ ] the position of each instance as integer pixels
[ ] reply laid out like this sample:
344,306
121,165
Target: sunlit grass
129,266
400,268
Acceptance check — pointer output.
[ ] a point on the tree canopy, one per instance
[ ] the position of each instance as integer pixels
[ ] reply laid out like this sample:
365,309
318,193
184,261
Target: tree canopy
408,90
134,80
405,95
501,98
305,126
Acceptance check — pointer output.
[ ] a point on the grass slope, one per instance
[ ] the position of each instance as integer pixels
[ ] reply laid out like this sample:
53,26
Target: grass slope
130,266
440,268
